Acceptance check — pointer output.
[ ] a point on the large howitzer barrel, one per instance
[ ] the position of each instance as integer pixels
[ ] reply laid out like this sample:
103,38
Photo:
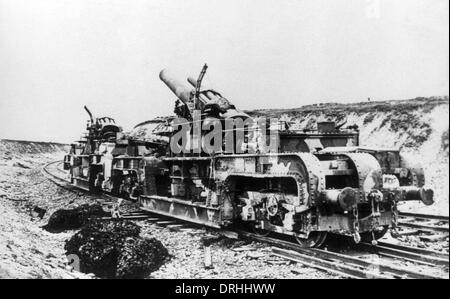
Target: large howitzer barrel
181,89
210,98
178,87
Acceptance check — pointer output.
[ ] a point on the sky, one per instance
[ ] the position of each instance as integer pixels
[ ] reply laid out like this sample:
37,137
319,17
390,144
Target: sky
58,55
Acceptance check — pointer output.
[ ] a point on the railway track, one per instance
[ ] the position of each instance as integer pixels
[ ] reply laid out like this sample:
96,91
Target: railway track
348,265
379,266
421,223
407,253
49,172
424,216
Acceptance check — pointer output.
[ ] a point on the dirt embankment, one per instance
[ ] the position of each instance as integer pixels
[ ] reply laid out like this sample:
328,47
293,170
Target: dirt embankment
419,127
26,250
22,147
21,153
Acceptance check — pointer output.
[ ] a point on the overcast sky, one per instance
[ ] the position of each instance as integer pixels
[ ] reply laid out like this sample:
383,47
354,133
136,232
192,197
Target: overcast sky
58,55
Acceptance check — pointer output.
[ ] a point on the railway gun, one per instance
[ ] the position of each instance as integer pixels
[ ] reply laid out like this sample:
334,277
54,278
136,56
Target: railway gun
305,183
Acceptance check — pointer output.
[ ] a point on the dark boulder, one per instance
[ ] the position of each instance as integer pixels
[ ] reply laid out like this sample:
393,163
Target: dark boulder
139,257
74,218
111,249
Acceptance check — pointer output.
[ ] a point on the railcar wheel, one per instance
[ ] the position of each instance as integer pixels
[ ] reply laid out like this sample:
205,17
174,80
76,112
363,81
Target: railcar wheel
378,234
259,231
315,239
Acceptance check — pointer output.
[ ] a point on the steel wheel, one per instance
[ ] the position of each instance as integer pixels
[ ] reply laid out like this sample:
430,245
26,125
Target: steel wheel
259,231
315,239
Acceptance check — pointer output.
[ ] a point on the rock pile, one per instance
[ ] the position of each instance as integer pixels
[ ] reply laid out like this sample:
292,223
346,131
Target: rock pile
112,249
74,218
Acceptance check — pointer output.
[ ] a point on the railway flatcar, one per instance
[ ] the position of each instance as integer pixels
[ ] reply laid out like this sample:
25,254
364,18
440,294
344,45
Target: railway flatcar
303,183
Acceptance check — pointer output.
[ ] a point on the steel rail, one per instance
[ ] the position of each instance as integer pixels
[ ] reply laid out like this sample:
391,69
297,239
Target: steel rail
424,216
425,227
366,268
407,253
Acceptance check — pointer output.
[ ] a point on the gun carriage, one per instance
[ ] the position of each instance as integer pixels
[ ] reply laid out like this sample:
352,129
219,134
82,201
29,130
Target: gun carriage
309,184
